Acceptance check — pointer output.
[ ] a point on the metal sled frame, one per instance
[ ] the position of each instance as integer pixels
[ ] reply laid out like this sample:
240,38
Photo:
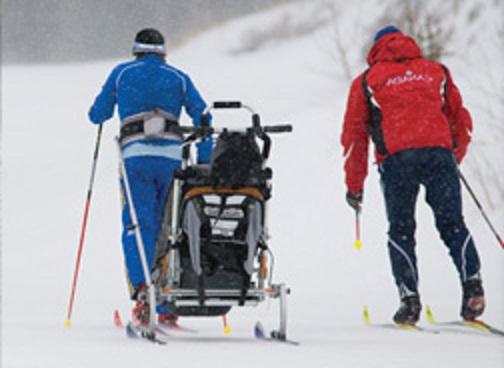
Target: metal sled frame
259,290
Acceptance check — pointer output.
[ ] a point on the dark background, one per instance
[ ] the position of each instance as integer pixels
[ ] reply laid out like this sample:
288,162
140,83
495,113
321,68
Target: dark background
35,31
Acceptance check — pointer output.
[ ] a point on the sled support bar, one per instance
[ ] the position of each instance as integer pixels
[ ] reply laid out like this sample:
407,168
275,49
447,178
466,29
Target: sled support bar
218,297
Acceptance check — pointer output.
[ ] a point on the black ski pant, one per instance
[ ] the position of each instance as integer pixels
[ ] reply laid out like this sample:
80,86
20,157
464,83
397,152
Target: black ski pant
401,176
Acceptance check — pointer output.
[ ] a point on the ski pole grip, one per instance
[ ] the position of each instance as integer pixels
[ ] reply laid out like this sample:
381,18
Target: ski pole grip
205,120
287,128
227,105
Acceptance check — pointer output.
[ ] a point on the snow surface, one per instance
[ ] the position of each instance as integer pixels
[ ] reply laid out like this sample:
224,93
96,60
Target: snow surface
47,147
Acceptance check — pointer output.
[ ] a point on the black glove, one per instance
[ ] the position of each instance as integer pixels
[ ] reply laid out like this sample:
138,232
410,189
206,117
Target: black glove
354,200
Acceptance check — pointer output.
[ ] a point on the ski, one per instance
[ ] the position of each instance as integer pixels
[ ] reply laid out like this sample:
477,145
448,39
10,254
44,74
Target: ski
472,326
468,326
404,327
260,334
395,326
173,326
140,332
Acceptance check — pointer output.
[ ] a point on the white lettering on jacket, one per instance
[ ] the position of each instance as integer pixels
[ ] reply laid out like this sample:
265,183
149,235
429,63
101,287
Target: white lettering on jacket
409,76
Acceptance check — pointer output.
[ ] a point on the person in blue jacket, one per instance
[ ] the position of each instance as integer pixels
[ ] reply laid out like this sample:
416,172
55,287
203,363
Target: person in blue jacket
149,95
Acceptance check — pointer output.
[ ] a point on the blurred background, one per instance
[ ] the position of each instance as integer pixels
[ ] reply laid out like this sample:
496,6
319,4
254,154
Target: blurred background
77,30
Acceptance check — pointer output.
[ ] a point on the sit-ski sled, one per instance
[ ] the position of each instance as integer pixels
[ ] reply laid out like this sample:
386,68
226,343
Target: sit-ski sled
212,252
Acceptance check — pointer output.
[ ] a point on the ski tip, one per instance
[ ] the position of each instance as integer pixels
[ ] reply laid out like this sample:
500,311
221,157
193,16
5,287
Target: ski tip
430,315
68,323
358,244
259,330
365,315
117,319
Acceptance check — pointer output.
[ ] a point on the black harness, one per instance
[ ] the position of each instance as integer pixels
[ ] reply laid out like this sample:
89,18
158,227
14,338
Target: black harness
375,118
136,127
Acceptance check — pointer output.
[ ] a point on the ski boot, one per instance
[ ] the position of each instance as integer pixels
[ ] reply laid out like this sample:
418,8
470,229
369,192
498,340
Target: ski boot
473,299
409,310
140,314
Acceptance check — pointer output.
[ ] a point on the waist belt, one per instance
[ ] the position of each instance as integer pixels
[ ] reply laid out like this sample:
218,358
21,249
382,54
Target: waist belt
136,129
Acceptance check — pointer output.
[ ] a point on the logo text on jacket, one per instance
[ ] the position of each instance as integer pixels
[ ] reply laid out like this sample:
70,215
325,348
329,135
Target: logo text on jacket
407,77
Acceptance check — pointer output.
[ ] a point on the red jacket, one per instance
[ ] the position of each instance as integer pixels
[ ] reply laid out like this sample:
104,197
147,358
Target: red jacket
411,102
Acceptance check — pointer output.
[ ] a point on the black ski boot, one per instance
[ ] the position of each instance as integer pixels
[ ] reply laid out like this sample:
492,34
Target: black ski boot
409,310
473,299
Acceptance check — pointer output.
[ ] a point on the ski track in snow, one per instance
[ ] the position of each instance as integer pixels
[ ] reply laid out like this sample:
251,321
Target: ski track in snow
47,147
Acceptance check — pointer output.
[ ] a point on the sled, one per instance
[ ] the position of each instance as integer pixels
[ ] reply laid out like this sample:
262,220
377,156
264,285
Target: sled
212,252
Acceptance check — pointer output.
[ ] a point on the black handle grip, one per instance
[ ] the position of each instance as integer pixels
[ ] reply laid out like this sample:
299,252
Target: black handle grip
227,105
256,120
205,121
287,128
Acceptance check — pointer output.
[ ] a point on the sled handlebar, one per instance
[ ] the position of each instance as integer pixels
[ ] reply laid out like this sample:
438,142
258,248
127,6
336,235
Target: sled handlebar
256,120
283,128
227,105
198,132
230,105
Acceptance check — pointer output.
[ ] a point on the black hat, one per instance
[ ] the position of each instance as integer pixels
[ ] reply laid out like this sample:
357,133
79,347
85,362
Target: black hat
149,40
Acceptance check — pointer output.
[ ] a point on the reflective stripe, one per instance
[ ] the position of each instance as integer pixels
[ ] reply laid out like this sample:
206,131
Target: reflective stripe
400,250
463,257
372,98
171,151
169,69
443,90
125,69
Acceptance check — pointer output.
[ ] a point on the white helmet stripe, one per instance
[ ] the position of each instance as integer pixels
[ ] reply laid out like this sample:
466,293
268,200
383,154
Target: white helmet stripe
146,47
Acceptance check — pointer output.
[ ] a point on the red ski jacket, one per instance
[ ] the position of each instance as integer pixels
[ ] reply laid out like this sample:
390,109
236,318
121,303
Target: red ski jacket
401,101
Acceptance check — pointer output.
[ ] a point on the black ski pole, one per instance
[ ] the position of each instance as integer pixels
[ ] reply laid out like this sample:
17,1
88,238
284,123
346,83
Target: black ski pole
480,207
68,322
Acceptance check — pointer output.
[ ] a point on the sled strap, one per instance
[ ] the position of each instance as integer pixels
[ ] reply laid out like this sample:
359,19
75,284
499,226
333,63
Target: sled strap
192,226
244,288
254,232
201,290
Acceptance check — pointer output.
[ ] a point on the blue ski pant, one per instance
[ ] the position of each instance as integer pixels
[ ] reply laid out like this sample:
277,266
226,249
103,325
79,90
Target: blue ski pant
149,179
401,176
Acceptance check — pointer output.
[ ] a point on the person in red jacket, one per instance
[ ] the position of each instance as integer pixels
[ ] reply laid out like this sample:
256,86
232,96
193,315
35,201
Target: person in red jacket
411,109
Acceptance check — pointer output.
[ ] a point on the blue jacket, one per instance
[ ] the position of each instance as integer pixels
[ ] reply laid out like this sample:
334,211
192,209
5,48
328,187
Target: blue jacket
144,84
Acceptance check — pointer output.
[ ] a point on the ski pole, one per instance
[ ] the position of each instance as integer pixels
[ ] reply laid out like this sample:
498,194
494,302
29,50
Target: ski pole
358,242
68,322
227,329
480,207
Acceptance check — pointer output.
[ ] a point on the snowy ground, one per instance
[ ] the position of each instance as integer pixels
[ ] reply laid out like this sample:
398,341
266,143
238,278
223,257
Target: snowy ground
47,150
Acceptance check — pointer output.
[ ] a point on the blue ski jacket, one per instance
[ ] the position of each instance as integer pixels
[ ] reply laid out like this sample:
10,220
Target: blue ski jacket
143,85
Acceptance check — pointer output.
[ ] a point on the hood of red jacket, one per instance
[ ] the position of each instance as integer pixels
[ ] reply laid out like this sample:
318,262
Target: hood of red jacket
394,47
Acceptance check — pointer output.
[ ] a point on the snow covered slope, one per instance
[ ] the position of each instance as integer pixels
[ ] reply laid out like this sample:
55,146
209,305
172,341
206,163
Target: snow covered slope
47,147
